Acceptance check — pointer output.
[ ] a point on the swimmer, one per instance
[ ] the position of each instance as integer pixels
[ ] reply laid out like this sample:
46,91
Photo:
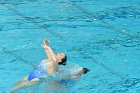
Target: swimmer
46,67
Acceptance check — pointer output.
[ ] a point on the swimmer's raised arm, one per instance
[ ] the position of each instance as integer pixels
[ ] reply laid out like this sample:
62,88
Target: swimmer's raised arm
49,52
46,44
52,54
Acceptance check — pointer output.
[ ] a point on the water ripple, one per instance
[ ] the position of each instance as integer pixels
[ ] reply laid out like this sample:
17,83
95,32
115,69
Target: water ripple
120,12
121,86
130,82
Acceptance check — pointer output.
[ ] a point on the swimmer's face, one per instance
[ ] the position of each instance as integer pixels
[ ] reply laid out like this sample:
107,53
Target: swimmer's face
60,56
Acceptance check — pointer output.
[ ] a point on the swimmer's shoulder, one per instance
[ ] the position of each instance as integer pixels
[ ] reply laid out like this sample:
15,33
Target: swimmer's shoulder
47,60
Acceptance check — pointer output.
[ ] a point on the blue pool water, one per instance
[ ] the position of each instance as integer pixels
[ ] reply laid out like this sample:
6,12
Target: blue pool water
102,35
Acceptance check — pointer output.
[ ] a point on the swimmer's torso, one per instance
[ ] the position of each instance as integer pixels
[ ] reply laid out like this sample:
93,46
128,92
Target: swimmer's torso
44,68
52,66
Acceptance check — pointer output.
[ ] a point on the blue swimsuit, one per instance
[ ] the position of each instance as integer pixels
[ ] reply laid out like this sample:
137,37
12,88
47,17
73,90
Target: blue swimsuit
39,72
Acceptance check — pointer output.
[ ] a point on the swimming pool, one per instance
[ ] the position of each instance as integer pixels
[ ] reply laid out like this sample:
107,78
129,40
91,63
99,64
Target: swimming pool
101,35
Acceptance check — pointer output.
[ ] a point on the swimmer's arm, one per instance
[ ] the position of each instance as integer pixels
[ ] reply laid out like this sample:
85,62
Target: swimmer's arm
66,78
76,76
52,54
45,45
49,52
71,77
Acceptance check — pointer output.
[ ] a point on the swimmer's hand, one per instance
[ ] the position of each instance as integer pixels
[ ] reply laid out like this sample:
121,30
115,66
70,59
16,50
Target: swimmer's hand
46,41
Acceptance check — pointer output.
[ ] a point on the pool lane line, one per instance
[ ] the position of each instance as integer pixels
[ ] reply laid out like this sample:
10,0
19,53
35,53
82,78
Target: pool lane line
112,72
34,22
100,75
6,51
94,18
20,58
90,15
109,25
61,38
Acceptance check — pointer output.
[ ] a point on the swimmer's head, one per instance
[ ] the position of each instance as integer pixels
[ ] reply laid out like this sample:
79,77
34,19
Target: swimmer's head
61,58
85,70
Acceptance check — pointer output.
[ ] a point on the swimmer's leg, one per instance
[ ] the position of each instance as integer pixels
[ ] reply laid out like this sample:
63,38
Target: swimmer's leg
24,83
